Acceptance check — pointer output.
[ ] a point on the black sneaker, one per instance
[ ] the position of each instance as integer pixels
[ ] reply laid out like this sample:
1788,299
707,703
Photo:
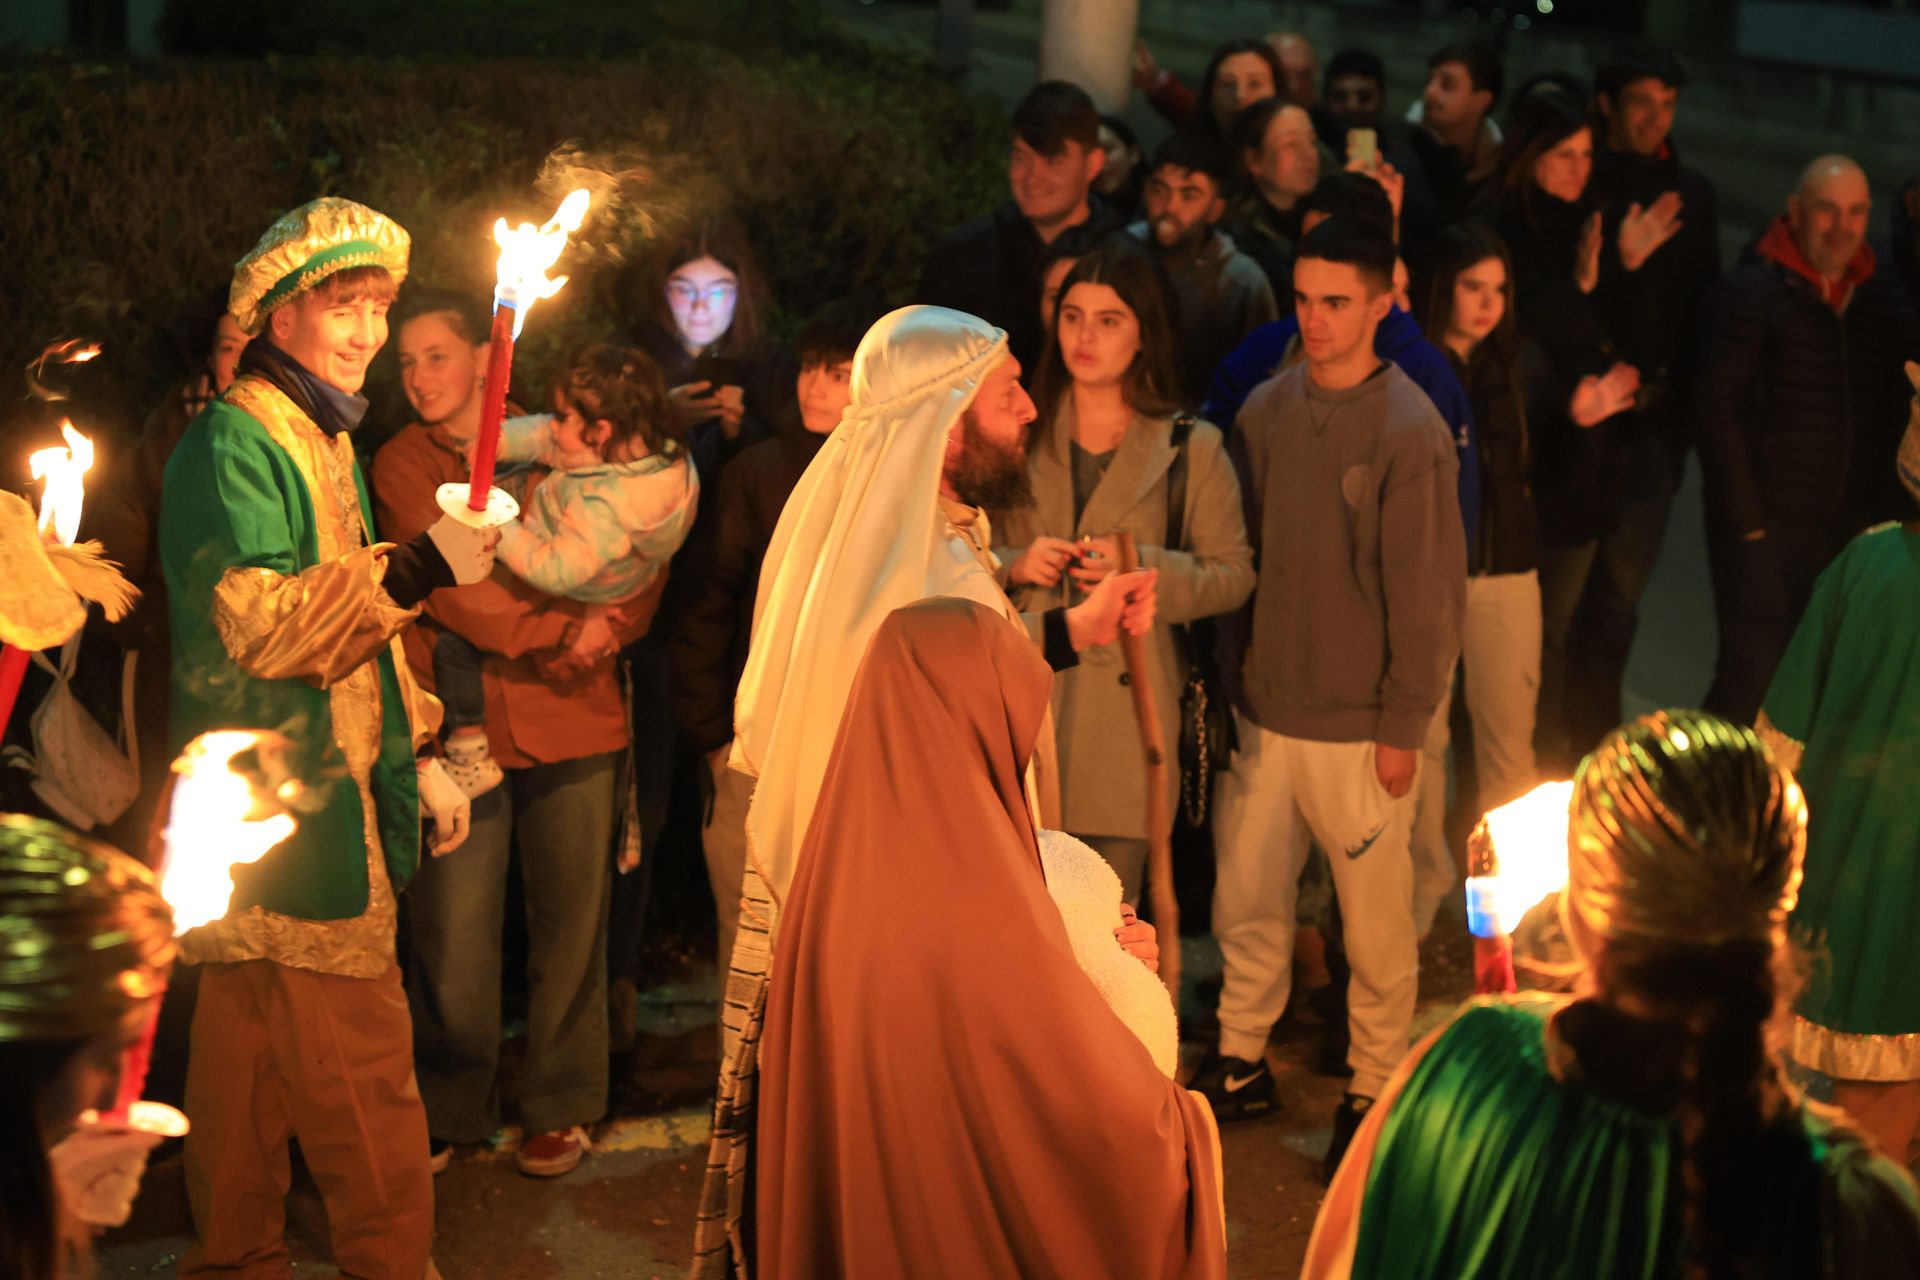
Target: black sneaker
1346,1122
439,1154
1234,1087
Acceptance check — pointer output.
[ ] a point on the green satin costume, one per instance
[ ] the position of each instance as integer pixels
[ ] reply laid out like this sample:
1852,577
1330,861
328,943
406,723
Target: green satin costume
1489,1166
1846,699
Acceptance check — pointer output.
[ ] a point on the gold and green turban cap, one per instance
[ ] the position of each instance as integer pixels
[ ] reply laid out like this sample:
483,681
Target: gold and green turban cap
305,247
84,933
1684,829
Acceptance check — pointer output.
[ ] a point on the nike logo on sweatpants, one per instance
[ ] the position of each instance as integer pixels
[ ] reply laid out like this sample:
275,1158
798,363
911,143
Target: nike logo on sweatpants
1367,844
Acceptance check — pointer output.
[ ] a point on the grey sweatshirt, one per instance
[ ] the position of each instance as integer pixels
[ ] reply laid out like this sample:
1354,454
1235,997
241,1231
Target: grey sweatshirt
1362,563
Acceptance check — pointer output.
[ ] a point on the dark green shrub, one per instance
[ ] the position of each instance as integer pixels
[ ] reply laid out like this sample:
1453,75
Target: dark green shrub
129,190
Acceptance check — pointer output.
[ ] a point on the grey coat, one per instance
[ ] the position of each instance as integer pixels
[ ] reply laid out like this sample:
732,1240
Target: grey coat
1103,775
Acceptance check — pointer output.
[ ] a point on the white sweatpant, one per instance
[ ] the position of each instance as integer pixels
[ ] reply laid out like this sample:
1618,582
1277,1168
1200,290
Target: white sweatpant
1280,796
1500,650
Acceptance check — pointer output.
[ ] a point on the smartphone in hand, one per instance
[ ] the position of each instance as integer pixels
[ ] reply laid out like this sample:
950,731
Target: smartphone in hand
1363,148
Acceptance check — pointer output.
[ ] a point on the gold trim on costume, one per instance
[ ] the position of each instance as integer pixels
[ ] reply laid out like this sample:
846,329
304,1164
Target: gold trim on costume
1846,1055
1786,750
344,621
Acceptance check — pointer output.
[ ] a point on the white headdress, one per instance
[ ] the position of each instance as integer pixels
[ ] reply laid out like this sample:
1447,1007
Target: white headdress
862,534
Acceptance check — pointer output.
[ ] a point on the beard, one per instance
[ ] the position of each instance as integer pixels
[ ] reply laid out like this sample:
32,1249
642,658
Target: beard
991,476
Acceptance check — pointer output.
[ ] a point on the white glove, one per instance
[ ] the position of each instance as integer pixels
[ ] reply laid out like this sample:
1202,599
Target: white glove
442,800
98,1165
467,551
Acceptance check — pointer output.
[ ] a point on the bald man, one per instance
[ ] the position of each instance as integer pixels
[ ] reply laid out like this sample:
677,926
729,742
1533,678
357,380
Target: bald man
1801,400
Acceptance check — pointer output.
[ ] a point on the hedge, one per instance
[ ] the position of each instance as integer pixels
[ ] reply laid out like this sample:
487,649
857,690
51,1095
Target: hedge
130,189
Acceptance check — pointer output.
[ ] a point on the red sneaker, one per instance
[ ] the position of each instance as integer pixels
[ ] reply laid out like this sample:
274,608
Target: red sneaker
549,1155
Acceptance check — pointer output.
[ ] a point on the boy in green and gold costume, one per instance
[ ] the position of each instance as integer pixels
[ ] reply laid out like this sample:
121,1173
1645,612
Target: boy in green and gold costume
1644,1126
285,613
1844,713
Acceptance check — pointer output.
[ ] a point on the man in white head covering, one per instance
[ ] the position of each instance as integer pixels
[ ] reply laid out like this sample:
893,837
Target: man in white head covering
891,511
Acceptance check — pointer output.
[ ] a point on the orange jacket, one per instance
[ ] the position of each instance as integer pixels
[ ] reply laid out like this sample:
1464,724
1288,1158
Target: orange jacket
532,718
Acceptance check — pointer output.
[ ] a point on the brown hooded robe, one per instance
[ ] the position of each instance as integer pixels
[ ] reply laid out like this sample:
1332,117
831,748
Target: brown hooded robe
942,1091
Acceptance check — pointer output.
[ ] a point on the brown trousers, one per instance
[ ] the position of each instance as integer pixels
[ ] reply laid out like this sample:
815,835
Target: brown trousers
279,1053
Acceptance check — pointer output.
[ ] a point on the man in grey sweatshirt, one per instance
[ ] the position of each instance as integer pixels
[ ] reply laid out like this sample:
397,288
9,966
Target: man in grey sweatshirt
1223,294
1349,475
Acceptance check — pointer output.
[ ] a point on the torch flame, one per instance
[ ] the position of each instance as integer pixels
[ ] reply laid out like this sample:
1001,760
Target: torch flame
63,491
212,826
527,253
1529,839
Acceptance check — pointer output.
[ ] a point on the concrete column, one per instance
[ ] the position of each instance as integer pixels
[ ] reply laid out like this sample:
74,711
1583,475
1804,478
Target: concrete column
1090,42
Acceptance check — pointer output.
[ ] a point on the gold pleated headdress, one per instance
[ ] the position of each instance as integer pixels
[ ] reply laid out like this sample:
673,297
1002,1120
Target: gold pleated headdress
84,933
1684,829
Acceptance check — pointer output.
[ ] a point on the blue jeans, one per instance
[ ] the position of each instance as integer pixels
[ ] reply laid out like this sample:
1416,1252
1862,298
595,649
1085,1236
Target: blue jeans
563,817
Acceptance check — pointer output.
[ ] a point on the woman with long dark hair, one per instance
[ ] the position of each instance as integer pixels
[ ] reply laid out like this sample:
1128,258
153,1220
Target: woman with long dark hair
705,326
84,957
1644,1126
1564,291
1466,308
1111,452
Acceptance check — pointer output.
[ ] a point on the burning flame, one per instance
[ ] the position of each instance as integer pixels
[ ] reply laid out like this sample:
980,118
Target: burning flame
1529,850
72,351
63,491
527,253
220,819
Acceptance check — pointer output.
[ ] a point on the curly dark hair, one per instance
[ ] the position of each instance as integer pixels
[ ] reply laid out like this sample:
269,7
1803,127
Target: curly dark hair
624,388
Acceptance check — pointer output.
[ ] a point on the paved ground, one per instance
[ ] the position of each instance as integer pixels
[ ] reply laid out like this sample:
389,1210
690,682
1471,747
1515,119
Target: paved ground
628,1212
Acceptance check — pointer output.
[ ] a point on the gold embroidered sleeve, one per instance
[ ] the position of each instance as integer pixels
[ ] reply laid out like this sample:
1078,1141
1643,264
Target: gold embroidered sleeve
424,711
316,626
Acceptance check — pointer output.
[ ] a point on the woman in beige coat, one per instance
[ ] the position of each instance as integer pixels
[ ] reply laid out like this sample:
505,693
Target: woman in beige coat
1102,460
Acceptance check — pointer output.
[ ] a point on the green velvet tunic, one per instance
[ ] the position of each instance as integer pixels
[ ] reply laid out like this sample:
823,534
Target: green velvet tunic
1848,690
1490,1166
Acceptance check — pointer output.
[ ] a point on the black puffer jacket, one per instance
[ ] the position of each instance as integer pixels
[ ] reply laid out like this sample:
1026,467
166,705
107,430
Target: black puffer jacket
1801,409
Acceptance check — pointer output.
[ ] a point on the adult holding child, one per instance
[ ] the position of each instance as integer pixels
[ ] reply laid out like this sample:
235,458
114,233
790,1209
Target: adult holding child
1112,453
555,726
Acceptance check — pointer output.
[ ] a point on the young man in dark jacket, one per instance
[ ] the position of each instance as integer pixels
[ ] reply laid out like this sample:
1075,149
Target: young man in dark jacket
1801,400
1223,294
1635,167
709,644
991,266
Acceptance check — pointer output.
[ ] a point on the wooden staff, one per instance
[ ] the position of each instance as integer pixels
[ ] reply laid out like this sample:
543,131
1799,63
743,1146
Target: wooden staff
1166,910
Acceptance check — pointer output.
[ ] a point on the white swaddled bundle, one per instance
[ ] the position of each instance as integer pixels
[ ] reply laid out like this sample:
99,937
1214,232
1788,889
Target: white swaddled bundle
1087,892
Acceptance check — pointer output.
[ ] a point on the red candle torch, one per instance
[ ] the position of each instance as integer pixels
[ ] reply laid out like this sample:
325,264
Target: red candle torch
527,253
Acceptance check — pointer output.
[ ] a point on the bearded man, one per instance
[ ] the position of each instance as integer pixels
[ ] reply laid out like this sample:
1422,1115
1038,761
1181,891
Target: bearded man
891,511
